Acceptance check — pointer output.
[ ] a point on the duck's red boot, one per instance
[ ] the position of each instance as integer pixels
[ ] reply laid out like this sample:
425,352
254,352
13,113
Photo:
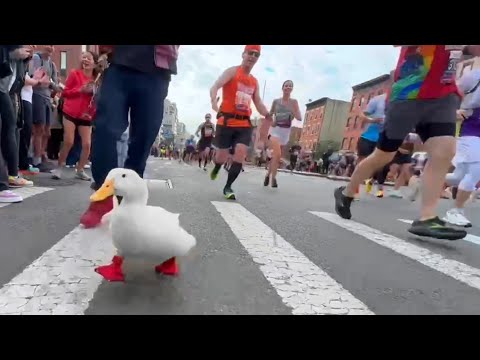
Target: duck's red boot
112,272
169,267
93,216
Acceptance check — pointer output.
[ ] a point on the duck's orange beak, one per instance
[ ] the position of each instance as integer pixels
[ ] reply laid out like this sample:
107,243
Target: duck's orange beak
104,192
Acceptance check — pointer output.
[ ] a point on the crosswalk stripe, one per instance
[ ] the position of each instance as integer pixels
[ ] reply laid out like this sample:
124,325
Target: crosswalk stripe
62,281
470,238
455,269
301,284
27,192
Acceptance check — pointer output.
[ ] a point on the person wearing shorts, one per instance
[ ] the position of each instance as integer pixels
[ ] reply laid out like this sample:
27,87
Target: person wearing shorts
41,104
206,130
234,128
284,110
189,149
373,117
424,96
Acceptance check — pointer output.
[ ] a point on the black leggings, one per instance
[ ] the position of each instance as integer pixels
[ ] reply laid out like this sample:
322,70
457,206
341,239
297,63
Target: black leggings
9,133
381,175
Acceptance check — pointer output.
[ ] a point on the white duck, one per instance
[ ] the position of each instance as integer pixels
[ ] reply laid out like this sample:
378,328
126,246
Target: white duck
139,230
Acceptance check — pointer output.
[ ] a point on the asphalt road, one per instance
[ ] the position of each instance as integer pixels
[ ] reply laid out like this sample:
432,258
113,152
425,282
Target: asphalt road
273,251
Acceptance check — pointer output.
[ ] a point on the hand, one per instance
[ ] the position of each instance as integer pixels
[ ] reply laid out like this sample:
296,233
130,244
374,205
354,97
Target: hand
30,49
38,74
215,105
20,54
87,88
45,80
378,120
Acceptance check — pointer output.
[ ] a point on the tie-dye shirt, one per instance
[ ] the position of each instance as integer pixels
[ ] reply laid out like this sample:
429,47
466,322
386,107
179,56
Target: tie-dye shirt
419,73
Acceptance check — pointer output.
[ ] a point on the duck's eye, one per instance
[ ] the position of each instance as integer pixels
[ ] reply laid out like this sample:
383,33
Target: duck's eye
123,176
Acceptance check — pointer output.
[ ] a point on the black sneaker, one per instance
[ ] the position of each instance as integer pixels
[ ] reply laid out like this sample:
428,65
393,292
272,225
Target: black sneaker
436,228
342,203
274,183
454,192
229,194
44,167
266,181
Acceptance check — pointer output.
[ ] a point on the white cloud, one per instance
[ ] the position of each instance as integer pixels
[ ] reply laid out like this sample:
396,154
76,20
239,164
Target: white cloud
316,70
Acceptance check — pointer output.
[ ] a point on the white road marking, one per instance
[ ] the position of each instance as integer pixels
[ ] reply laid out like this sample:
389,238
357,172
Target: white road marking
455,269
470,238
169,183
27,192
301,284
62,281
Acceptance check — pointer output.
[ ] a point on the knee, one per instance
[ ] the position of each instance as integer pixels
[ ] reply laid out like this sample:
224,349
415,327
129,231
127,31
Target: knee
86,145
68,143
442,153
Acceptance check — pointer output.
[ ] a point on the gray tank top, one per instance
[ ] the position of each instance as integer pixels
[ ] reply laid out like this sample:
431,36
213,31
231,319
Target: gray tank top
283,113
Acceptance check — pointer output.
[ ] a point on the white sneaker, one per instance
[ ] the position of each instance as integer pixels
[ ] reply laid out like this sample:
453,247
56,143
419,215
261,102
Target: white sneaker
9,197
82,175
456,217
57,173
395,194
415,191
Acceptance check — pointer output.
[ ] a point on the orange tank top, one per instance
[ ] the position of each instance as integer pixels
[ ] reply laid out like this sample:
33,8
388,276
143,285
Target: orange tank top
237,97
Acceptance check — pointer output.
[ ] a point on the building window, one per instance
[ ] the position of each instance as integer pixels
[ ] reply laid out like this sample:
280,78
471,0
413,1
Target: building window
350,143
355,122
84,48
353,104
348,122
380,92
369,98
360,103
63,63
344,142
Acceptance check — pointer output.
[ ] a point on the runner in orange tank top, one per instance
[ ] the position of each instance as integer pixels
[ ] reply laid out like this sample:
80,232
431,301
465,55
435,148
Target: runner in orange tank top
234,129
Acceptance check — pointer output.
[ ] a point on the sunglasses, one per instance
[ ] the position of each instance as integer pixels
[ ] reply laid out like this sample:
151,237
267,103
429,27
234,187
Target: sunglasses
253,53
207,118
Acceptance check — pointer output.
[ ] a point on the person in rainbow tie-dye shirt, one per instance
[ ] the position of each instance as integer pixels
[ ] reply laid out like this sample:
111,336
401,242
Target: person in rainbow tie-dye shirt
424,96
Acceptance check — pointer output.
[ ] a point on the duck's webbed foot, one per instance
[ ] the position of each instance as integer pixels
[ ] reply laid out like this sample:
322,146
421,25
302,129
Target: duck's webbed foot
112,272
169,267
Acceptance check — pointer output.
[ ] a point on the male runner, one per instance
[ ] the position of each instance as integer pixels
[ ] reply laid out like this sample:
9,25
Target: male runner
206,130
424,96
234,128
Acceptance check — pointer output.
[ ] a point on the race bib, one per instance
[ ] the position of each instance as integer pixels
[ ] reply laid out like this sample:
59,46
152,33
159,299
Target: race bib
243,97
283,119
208,132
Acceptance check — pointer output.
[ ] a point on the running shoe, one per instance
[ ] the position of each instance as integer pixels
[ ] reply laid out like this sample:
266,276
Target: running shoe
436,228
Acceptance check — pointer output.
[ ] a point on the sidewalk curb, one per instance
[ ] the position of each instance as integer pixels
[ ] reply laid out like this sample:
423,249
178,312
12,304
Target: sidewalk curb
331,177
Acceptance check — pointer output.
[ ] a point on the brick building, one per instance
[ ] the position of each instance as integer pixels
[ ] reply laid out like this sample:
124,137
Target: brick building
68,57
362,93
324,123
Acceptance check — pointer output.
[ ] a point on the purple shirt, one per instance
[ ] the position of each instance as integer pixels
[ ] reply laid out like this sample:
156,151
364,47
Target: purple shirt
471,126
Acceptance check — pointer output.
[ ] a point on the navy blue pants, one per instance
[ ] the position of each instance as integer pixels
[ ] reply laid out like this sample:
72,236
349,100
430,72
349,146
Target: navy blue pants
123,89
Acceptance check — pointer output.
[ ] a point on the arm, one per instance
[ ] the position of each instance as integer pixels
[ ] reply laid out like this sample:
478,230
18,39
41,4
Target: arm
473,50
261,108
72,86
55,78
221,81
198,130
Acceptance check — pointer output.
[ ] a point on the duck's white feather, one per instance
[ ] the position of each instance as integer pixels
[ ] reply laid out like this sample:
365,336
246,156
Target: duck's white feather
149,232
